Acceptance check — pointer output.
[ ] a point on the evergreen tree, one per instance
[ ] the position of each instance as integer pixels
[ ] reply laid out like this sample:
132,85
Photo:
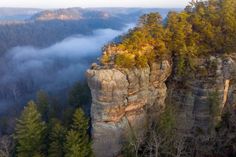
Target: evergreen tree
77,140
228,18
57,139
29,132
150,20
43,104
79,95
203,28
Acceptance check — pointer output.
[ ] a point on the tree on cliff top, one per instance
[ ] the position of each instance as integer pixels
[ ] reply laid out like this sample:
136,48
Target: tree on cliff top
144,43
203,28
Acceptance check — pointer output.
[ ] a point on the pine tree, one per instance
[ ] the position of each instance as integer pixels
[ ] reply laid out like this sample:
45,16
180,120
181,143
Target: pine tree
43,104
29,132
77,139
57,139
228,16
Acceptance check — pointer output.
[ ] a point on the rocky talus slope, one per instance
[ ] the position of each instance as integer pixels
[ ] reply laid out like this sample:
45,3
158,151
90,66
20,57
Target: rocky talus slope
125,100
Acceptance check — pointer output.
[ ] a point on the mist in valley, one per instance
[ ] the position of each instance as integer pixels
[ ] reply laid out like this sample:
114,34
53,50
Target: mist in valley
26,70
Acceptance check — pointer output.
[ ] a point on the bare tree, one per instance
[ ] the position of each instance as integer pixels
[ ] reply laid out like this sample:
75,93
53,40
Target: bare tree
135,141
6,146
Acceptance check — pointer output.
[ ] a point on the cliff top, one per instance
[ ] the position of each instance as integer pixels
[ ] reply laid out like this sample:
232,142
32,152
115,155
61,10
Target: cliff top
202,29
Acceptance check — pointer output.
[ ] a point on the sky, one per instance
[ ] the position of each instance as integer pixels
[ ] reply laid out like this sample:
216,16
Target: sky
93,3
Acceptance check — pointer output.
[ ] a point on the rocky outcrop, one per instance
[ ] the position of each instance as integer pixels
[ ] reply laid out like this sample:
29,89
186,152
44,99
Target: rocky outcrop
200,98
123,100
70,14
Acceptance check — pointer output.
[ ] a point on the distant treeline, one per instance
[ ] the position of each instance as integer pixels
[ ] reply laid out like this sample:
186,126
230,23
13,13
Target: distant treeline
45,33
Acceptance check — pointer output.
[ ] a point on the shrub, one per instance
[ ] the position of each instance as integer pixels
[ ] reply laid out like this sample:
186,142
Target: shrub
141,61
105,59
125,60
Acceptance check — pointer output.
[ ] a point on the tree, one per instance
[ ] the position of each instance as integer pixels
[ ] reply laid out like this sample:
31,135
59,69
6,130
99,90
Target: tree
150,20
77,140
125,60
163,140
80,94
57,139
183,43
49,107
228,18
29,132
43,104
6,146
142,45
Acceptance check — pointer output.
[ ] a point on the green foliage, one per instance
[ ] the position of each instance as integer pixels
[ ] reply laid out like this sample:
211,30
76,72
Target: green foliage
143,44
29,132
203,28
228,25
180,29
150,20
181,66
182,40
105,59
43,104
141,61
150,56
48,107
125,60
77,140
159,137
57,139
79,94
167,121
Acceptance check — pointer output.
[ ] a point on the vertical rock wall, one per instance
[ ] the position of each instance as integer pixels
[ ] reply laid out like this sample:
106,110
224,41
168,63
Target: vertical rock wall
122,102
200,98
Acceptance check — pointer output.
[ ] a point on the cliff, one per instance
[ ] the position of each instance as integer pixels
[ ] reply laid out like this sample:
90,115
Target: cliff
123,100
196,92
70,14
201,98
126,100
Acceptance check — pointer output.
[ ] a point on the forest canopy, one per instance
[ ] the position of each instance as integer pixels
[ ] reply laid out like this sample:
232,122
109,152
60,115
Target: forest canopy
203,28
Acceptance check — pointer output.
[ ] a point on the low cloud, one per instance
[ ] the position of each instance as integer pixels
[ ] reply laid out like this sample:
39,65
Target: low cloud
24,70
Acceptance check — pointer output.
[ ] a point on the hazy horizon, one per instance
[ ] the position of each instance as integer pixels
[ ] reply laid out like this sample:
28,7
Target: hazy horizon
45,4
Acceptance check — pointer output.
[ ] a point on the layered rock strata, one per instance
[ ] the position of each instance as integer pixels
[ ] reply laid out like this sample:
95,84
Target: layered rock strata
201,97
122,101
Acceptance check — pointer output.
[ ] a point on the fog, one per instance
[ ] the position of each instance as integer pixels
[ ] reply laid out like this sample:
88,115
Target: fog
25,70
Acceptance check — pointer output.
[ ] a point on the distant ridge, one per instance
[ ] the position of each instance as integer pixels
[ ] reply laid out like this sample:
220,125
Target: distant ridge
17,13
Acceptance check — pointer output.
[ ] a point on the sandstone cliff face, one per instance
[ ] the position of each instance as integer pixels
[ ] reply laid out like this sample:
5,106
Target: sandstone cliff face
122,101
125,99
201,97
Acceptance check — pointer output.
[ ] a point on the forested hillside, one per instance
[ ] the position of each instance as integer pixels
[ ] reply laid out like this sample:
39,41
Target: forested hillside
49,62
36,33
50,26
166,89
8,14
204,28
